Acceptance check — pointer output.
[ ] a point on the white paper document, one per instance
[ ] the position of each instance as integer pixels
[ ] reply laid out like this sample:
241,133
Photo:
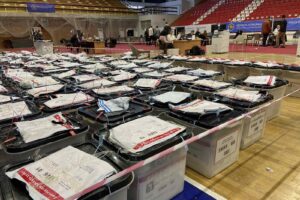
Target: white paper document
43,127
159,65
156,74
114,105
85,77
201,107
147,83
211,83
240,94
202,72
142,70
261,80
123,77
176,69
5,98
44,90
62,174
181,78
113,90
171,97
143,133
65,74
69,99
97,84
11,110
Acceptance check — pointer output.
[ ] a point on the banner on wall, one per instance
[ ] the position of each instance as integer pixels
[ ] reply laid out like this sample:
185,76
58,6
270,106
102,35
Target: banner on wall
255,26
202,28
293,24
247,26
40,7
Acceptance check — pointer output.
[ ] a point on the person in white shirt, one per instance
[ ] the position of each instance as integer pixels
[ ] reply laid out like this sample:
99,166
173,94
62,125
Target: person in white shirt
164,43
171,37
151,34
276,31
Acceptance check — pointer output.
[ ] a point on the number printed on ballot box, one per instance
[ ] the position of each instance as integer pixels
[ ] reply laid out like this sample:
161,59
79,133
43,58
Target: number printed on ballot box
257,124
226,146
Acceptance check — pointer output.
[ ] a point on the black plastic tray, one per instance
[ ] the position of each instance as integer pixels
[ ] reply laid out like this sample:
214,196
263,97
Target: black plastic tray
207,121
202,88
114,95
72,81
65,90
207,76
239,65
135,109
292,67
146,98
134,157
46,109
125,81
241,104
278,83
177,82
18,98
40,72
15,190
262,67
34,112
161,86
18,145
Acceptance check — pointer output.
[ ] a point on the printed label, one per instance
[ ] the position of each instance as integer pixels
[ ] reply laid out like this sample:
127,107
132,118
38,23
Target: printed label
164,182
256,124
226,146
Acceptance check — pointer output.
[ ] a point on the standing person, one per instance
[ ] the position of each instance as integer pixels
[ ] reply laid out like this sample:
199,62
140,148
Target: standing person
266,30
164,43
156,34
198,33
146,34
204,38
282,33
151,34
75,41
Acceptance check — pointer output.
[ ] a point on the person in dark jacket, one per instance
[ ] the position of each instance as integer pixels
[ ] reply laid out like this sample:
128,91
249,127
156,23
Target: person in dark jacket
266,30
282,33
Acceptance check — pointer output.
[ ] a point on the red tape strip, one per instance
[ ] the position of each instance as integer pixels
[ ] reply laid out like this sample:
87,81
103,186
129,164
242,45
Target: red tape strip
68,126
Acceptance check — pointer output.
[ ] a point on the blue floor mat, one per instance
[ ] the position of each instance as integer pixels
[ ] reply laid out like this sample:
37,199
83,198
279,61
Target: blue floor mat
190,192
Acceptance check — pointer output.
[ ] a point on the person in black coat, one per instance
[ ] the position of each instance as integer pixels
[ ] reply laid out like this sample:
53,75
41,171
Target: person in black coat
281,36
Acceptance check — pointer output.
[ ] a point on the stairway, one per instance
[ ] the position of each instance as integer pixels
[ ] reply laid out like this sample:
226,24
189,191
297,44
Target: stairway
211,10
242,16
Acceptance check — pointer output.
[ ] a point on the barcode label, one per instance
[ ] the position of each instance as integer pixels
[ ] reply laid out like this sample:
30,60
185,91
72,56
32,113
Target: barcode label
256,124
226,146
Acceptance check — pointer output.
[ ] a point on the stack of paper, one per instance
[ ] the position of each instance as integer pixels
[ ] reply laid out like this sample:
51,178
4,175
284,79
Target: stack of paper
62,174
240,94
200,107
143,133
69,99
171,97
43,127
11,110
